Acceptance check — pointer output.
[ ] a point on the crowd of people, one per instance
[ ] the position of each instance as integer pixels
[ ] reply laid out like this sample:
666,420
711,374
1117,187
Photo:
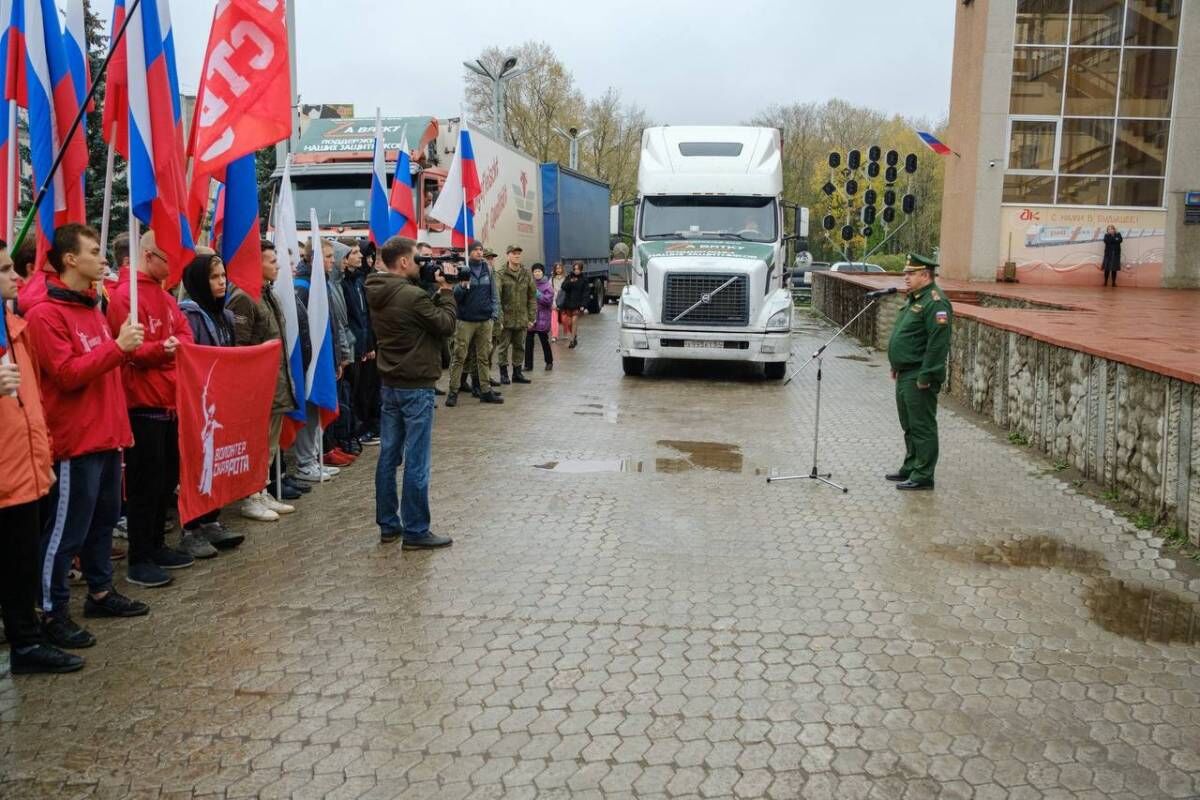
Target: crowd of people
88,424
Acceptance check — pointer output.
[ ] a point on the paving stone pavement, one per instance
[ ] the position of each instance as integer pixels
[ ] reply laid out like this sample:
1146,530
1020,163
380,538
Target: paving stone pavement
631,611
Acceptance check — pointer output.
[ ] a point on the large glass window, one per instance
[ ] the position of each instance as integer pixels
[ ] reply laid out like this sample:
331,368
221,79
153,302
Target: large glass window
1150,23
1037,80
748,218
1042,21
1086,146
1092,81
1090,103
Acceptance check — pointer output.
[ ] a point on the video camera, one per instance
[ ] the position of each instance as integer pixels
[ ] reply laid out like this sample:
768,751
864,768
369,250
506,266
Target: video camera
430,266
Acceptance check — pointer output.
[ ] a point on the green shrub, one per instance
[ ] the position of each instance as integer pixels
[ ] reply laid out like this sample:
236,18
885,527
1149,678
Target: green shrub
891,262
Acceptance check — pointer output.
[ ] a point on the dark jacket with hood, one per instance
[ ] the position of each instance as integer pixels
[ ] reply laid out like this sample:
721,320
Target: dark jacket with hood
211,322
476,300
358,314
410,328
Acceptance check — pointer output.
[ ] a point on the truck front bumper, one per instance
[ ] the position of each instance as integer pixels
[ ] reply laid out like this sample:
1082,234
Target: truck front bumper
705,345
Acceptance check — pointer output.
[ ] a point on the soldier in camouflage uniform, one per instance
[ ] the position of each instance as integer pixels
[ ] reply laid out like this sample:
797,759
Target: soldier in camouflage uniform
518,309
917,352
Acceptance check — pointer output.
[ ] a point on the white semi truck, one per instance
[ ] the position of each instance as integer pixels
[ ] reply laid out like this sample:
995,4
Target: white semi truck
708,278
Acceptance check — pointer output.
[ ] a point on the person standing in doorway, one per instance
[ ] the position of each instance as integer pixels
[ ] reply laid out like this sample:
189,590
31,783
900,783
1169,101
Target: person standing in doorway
1112,255
917,352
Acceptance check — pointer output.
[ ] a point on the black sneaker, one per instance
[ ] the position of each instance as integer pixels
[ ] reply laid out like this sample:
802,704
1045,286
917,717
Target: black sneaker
63,632
169,558
286,492
291,483
429,541
491,397
114,604
387,537
43,659
147,574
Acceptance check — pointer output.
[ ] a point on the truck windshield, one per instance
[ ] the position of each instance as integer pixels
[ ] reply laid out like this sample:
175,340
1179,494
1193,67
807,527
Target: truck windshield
749,218
335,205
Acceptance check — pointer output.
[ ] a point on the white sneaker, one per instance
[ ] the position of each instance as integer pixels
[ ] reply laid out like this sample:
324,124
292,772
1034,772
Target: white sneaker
312,474
273,504
252,508
331,471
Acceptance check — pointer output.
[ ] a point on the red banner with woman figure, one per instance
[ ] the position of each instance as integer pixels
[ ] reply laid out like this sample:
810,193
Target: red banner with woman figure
223,396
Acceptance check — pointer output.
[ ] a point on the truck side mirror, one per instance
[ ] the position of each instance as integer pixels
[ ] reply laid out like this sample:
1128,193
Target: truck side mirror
624,229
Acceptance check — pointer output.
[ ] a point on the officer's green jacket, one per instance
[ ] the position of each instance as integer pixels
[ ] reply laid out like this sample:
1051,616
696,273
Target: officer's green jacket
518,298
921,337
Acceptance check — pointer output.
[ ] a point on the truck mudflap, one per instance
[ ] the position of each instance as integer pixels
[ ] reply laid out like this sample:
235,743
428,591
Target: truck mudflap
705,345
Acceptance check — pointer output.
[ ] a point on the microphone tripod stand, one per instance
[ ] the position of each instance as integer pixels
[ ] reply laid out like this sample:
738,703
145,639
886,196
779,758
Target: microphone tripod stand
817,357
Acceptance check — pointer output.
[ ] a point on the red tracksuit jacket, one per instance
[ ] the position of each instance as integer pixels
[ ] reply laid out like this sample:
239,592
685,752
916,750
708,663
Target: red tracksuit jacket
78,365
149,373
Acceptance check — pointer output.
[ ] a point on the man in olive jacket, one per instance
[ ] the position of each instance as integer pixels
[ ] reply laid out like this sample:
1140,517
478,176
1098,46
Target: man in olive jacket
410,330
917,352
518,309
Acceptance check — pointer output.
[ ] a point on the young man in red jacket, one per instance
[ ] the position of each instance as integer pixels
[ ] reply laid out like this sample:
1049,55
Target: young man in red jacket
25,477
79,370
152,464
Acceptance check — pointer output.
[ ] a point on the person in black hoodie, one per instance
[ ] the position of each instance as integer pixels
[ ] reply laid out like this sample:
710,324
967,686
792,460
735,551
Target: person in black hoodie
364,377
475,297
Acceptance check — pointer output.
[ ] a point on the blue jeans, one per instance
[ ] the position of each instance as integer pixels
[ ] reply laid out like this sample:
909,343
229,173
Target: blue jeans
406,431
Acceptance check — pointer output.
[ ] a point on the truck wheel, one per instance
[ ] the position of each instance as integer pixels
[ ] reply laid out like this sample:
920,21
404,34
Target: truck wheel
775,370
633,366
596,301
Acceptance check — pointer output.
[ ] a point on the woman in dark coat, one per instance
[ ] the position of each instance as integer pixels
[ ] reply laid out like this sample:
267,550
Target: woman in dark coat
575,295
1112,255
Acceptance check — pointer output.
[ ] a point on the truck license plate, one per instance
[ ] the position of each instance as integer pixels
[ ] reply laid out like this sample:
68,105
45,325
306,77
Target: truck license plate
703,345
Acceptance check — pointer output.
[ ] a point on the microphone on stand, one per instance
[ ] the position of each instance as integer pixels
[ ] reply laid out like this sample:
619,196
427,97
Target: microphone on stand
881,293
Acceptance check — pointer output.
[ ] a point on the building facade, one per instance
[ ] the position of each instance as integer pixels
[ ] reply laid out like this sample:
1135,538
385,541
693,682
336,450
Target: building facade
1070,116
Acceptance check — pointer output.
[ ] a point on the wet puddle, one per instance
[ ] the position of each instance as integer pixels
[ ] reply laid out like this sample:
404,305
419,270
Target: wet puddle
1042,552
610,413
705,456
1126,609
1147,615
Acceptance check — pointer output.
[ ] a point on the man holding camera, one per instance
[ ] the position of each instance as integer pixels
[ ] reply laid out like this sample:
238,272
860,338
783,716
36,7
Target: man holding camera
476,305
410,328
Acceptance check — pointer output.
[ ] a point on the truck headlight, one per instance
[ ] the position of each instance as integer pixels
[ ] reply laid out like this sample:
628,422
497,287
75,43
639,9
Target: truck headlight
631,316
780,320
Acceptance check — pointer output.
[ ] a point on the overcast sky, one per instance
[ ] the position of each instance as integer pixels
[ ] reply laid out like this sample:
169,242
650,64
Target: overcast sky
683,61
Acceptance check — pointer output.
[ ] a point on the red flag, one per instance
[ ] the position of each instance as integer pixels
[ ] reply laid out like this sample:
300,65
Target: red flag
115,114
223,397
244,102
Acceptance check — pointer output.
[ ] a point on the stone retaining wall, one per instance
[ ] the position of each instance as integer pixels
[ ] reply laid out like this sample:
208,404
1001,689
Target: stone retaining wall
1130,430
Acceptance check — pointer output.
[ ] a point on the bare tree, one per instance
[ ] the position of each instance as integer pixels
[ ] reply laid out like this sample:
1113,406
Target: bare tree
611,151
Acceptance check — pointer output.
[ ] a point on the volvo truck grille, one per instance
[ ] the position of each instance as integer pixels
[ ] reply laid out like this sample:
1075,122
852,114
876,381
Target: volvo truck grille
709,304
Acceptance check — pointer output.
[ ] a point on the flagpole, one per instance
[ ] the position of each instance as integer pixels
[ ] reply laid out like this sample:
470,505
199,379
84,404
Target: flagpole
14,176
62,150
135,255
108,187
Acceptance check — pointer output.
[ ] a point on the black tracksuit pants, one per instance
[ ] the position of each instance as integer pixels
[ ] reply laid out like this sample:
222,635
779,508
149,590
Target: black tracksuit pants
151,475
20,563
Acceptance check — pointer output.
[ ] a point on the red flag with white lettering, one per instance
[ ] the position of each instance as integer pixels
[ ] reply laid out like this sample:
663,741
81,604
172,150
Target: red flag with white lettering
244,102
223,397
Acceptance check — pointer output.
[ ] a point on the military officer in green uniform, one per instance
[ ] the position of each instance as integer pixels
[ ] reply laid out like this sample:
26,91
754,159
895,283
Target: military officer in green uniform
917,352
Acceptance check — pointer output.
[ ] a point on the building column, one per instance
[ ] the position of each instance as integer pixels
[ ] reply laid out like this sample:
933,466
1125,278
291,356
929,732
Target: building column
1181,256
970,247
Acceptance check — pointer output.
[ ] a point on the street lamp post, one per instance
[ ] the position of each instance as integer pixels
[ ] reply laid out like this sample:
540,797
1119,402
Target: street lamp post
508,71
573,137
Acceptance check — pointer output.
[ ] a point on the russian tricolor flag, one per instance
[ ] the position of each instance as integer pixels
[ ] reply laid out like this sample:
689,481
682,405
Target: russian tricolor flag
287,249
236,216
42,83
75,42
115,114
156,165
321,381
934,144
7,70
391,212
455,206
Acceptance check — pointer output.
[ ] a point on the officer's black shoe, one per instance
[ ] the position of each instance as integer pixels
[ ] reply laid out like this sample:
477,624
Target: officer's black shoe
519,376
430,541
896,476
452,400
504,376
915,486
491,397
43,658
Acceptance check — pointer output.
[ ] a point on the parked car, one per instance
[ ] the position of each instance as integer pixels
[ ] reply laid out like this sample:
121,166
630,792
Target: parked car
856,266
802,276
